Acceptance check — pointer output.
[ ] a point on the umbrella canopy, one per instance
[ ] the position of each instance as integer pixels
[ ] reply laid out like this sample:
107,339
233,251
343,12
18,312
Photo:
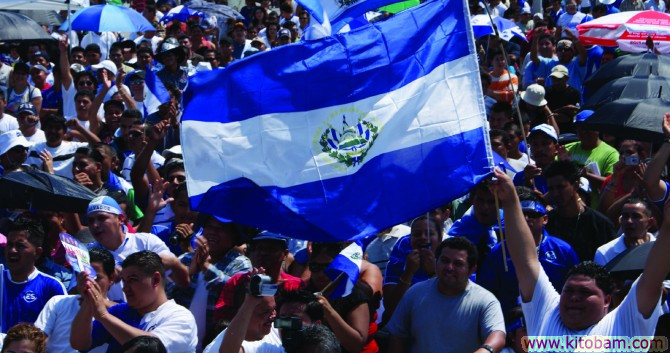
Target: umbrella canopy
109,18
627,65
630,263
181,13
637,119
481,26
43,17
55,5
36,190
17,27
628,30
634,87
221,12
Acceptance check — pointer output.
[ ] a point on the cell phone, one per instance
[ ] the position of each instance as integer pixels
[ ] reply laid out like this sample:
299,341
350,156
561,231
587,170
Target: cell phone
290,323
632,160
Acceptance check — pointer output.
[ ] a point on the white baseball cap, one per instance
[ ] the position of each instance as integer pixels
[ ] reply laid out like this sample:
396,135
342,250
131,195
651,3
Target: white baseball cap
106,64
11,139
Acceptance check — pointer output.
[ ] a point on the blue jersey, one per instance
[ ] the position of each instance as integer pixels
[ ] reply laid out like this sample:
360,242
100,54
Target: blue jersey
23,301
100,335
555,255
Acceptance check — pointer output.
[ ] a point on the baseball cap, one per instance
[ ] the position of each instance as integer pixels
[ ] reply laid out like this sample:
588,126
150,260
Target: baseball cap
11,139
104,204
583,115
107,65
39,53
265,235
284,32
564,43
27,107
257,40
559,71
545,129
40,67
76,67
534,206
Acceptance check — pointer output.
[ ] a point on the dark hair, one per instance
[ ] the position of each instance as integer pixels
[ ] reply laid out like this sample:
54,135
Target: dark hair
459,243
500,133
54,118
502,107
514,128
568,169
21,67
330,249
76,49
93,48
286,7
547,36
481,186
84,93
314,338
33,227
433,220
113,102
116,46
313,308
493,53
103,256
600,8
104,149
634,200
141,50
79,75
526,194
91,153
149,262
25,331
144,344
591,269
129,44
132,113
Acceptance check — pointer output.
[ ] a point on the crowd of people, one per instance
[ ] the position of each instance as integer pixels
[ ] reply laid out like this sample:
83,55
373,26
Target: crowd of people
169,279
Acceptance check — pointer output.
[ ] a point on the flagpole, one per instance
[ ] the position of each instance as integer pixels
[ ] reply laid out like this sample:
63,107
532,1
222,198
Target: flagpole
518,111
2,296
330,285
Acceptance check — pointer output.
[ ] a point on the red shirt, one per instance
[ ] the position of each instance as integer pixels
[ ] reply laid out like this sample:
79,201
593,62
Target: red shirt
233,292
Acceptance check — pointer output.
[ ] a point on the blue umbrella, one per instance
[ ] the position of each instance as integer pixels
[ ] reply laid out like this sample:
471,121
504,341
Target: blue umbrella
181,13
481,26
108,18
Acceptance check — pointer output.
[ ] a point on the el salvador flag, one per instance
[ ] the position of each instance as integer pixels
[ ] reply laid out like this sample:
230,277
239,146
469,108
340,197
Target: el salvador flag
338,13
346,266
155,92
338,138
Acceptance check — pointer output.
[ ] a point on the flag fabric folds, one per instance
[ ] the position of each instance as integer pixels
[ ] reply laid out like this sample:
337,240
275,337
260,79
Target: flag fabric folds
154,91
340,12
338,138
344,269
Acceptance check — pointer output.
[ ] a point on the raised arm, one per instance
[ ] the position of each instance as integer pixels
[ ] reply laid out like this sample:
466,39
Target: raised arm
64,63
97,102
519,238
655,269
656,188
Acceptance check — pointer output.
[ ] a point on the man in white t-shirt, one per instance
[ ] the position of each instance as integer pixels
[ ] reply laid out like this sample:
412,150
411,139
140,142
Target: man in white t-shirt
570,19
147,312
29,123
62,152
582,308
635,222
105,221
7,122
56,317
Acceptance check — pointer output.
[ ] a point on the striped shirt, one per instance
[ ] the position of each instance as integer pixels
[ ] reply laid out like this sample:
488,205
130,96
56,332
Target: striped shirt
500,86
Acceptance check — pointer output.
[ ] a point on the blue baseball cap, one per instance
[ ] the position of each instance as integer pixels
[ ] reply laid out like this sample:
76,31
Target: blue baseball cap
265,235
583,115
104,204
534,206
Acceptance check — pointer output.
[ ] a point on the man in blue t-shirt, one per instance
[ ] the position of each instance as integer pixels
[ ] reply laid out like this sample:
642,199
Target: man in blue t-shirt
26,289
556,256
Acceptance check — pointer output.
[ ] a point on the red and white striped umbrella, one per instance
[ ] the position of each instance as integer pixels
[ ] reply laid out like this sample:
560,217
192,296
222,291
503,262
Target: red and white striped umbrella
628,30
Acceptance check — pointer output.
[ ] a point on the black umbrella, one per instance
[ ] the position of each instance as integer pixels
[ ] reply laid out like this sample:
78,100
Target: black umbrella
630,263
628,65
636,119
17,27
634,87
34,189
43,17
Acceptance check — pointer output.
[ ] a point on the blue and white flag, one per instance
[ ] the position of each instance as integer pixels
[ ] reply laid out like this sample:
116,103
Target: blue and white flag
345,268
481,25
337,13
338,138
155,92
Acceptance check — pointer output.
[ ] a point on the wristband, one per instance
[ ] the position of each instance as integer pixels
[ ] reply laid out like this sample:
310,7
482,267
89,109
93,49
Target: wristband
487,347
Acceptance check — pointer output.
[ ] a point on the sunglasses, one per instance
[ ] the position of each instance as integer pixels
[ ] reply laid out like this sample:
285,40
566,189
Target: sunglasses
134,134
180,178
86,83
316,267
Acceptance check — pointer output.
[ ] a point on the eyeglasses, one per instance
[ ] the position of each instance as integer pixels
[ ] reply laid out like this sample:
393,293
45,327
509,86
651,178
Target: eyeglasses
136,82
133,134
180,178
85,83
315,267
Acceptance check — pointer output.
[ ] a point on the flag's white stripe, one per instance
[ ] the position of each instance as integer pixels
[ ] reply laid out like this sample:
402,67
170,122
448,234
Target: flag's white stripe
288,142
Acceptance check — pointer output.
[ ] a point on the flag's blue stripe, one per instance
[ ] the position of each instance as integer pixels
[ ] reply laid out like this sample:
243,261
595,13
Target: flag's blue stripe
357,10
336,70
339,265
409,184
155,86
